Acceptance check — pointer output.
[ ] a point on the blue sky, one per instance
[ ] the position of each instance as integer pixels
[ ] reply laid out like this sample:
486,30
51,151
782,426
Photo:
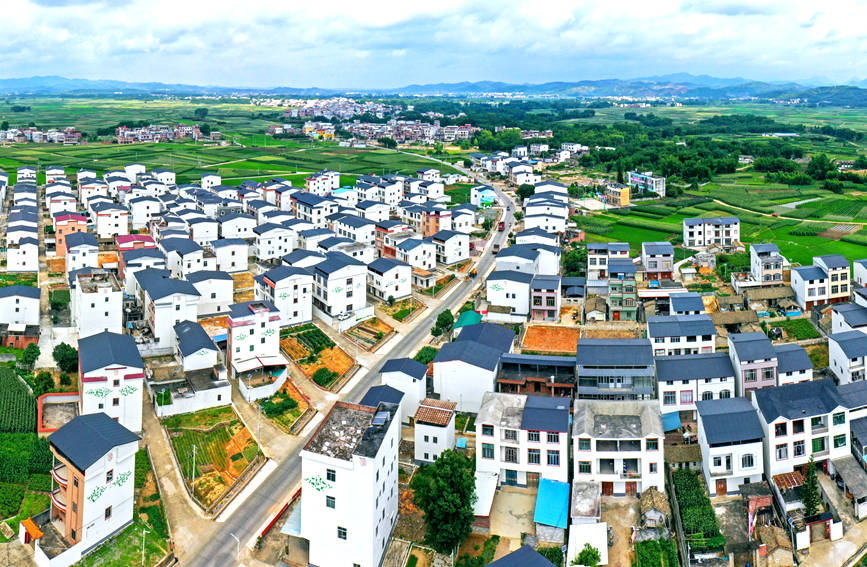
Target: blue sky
390,43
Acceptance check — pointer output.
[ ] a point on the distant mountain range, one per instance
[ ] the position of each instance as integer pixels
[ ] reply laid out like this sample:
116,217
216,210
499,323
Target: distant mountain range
678,85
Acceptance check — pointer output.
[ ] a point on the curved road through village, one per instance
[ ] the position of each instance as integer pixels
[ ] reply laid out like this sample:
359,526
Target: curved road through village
220,549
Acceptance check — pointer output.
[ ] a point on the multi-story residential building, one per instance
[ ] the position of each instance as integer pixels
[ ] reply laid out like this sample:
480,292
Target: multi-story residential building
273,241
237,225
836,266
846,355
689,303
508,295
357,228
523,438
82,251
166,301
64,225
231,254
93,495
350,467
684,380
96,303
848,317
290,290
730,435
434,429
111,220
451,247
313,208
253,349
600,254
799,421
417,253
388,278
545,298
658,260
754,360
766,264
622,290
142,210
615,369
184,256
112,378
132,261
374,211
708,231
646,182
339,285
216,291
681,334
811,286
793,364
618,444
859,272
410,377
19,305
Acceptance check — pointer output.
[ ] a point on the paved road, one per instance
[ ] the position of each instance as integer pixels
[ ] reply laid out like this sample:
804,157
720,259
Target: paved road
220,549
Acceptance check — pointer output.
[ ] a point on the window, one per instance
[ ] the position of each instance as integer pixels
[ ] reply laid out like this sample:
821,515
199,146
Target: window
717,461
510,455
488,430
782,452
534,456
115,402
108,513
780,430
109,476
533,436
747,462
818,444
652,444
798,448
330,502
115,383
554,458
72,534
668,398
816,423
426,439
653,467
435,440
341,532
839,440
839,418
487,451
768,374
75,482
584,467
797,426
725,394
510,435
749,375
584,444
553,437
331,475
686,396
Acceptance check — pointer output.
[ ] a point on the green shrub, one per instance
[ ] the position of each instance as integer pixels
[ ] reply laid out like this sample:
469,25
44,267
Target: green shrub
273,409
142,466
426,355
156,519
324,377
39,483
11,496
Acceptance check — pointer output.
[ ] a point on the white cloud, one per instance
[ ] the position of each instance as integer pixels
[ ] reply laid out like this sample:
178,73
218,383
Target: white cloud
343,43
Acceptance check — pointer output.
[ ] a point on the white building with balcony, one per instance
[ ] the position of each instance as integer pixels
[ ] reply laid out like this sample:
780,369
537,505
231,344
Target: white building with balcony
730,435
618,444
523,438
846,354
681,334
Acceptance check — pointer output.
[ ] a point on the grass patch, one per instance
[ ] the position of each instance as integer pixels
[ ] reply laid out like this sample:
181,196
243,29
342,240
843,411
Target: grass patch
798,329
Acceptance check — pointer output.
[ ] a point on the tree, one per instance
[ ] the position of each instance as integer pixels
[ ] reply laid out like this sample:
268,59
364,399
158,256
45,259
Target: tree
205,129
43,383
387,142
66,357
487,224
425,355
445,320
31,353
519,215
200,113
446,492
810,496
390,301
588,556
65,380
860,161
819,166
525,190
4,125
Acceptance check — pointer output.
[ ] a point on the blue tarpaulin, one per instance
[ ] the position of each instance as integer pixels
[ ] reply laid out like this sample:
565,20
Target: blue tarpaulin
552,503
461,443
671,421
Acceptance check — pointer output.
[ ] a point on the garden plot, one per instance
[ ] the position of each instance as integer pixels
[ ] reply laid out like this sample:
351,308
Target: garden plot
285,407
315,354
223,449
550,338
370,334
838,231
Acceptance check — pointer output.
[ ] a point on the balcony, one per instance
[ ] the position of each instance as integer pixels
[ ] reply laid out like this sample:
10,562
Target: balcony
721,472
59,474
58,498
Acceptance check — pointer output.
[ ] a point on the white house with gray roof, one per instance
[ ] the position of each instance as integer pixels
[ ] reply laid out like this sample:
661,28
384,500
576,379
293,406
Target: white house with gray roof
389,278
684,380
681,334
291,292
232,254
730,435
508,295
216,291
417,253
848,317
523,439
618,444
708,231
410,377
846,355
166,301
339,290
112,378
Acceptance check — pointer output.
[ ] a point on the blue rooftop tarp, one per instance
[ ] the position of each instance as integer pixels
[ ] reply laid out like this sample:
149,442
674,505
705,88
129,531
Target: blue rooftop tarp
461,443
552,503
671,421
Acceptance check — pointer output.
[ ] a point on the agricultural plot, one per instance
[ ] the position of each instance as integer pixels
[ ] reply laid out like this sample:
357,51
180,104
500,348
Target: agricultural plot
17,404
315,354
551,339
797,329
223,449
369,334
285,407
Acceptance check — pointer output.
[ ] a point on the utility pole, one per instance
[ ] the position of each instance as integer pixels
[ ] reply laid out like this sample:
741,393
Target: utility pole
193,471
143,532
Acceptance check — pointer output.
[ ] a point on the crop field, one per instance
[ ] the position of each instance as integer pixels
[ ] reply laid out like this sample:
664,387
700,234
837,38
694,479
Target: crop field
223,448
550,338
17,404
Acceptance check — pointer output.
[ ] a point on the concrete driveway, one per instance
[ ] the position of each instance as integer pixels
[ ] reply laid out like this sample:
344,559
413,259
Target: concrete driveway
512,514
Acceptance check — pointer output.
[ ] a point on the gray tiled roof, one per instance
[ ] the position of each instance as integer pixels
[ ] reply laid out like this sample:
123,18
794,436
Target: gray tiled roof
680,326
105,349
752,346
731,420
87,438
694,366
614,352
852,343
801,400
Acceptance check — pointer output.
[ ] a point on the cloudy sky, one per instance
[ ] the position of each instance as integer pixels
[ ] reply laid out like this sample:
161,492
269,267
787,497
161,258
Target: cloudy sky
390,43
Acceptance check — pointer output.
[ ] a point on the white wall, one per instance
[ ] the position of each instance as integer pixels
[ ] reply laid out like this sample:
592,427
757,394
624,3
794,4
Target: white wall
460,382
117,391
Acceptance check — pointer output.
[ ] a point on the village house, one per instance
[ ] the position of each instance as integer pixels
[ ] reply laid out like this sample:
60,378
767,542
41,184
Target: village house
112,378
291,292
730,435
